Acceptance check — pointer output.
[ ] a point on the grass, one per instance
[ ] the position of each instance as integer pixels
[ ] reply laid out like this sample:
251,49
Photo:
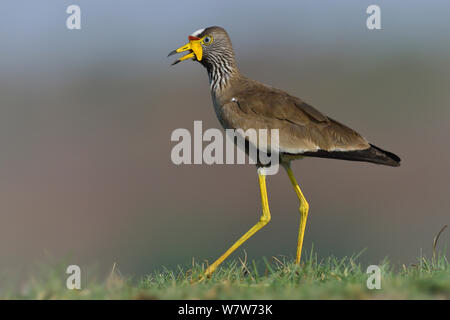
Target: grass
277,278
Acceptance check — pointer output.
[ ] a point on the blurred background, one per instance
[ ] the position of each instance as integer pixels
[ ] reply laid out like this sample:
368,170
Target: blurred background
86,117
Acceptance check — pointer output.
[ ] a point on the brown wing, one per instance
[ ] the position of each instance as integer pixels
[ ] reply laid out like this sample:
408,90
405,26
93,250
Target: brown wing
302,128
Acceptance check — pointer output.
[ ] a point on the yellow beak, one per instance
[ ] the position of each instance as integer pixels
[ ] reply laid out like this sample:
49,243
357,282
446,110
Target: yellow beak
193,46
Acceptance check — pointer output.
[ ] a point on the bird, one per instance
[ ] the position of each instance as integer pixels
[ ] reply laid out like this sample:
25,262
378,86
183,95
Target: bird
243,103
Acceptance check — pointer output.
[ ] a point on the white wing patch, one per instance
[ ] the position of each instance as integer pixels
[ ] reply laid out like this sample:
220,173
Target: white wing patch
197,32
315,149
298,150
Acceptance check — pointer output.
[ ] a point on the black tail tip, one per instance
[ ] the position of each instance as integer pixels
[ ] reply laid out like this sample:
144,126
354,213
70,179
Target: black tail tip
389,158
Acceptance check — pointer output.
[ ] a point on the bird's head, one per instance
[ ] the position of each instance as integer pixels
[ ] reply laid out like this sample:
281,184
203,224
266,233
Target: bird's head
210,47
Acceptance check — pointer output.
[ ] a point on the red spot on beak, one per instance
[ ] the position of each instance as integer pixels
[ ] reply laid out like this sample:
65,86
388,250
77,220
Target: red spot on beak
193,38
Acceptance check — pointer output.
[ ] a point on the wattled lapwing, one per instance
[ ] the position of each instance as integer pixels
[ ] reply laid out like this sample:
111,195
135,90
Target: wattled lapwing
242,103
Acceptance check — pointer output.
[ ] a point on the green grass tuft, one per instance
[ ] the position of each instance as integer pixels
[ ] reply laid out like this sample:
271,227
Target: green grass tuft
277,278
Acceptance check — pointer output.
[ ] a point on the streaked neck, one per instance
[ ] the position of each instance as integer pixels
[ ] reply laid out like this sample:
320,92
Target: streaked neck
221,70
219,77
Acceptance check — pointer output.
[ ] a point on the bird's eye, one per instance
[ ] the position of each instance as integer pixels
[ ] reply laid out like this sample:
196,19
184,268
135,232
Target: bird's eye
207,40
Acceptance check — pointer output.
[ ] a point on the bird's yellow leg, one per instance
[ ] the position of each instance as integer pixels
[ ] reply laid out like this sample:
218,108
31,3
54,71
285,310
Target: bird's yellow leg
265,218
304,208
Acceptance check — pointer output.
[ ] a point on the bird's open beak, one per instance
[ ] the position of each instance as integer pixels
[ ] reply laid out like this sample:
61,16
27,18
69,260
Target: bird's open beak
193,46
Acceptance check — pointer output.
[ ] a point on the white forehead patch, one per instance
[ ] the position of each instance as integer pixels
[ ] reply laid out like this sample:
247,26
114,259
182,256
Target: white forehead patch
197,32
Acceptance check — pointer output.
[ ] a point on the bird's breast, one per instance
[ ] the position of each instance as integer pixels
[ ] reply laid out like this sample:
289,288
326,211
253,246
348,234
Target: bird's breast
217,104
